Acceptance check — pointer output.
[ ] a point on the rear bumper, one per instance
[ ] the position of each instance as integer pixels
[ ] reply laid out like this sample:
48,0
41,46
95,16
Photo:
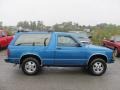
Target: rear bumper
6,60
16,61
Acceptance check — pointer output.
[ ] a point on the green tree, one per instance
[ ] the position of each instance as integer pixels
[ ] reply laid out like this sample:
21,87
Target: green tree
1,24
26,25
40,25
33,25
67,26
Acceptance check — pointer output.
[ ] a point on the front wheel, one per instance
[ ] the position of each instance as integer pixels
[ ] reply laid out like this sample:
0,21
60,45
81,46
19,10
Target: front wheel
30,66
115,52
98,67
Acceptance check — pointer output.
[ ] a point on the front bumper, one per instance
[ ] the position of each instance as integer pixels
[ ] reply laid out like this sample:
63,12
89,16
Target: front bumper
111,60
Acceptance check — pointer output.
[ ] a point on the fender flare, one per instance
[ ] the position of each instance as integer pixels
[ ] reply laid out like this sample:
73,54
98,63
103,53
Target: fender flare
97,54
31,54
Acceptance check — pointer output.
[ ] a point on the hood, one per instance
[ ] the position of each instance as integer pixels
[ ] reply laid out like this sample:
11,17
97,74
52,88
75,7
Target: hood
85,40
97,48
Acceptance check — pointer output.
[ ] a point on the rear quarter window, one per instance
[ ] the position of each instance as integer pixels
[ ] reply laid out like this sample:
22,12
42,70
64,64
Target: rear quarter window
36,39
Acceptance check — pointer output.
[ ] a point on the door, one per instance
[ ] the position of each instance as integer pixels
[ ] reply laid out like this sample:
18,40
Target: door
3,39
68,51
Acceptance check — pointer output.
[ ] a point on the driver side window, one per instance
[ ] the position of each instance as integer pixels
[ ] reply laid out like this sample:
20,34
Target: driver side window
66,41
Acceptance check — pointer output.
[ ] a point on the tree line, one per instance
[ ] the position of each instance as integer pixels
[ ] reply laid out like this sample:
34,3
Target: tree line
64,26
38,25
98,32
33,25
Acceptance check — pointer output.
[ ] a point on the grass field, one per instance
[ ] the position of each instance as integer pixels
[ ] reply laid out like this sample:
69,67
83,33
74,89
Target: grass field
99,34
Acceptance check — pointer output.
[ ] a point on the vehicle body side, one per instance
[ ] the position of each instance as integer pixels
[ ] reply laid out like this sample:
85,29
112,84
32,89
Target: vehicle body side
53,55
111,44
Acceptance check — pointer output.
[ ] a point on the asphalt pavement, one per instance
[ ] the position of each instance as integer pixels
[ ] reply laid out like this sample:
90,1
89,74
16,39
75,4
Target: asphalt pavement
58,78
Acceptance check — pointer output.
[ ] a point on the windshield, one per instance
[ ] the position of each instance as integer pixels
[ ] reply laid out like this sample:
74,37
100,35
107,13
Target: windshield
83,35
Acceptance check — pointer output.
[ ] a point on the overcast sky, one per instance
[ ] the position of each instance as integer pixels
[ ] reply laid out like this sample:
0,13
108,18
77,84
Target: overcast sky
84,12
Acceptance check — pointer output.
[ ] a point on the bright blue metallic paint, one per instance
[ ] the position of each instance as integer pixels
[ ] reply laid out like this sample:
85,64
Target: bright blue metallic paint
54,55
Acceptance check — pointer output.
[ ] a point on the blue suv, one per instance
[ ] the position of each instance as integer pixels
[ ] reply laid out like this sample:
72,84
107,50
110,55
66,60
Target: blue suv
33,50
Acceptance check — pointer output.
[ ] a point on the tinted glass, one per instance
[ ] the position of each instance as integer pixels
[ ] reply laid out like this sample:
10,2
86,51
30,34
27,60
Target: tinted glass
36,39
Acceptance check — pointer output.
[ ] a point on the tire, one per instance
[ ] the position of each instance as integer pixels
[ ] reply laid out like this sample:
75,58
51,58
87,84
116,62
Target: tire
31,66
115,53
97,67
0,47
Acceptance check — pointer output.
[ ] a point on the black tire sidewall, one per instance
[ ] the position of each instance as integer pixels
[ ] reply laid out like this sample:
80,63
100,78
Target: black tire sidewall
92,63
37,65
0,47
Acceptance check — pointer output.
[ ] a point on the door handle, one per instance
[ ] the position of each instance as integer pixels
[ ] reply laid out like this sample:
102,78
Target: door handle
58,48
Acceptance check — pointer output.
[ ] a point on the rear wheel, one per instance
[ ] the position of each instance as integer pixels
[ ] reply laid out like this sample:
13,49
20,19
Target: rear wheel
31,66
0,47
97,67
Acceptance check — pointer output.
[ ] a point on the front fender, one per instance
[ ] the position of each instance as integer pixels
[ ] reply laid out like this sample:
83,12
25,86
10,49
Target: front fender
97,54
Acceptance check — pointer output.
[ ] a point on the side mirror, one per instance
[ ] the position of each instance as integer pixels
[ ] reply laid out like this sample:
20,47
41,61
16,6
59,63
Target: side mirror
78,45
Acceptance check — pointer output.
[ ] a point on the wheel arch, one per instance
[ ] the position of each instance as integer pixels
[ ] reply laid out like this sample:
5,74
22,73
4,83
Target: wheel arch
92,57
30,55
